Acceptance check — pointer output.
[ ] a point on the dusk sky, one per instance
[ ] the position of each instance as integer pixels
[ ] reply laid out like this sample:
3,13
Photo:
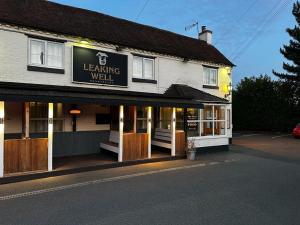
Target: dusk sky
249,33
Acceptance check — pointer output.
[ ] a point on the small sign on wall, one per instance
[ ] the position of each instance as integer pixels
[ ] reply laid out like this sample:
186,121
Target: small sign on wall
99,67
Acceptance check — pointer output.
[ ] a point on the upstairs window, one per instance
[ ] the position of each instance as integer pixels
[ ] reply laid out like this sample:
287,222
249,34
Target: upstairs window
46,53
210,76
143,68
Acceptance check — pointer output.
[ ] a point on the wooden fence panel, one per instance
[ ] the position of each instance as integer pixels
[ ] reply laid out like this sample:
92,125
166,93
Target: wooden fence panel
22,155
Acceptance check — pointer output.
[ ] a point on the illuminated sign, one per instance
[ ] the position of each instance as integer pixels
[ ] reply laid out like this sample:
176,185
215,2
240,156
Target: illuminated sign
99,67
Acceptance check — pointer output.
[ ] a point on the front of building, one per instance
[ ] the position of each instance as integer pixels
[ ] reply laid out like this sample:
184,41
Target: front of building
75,82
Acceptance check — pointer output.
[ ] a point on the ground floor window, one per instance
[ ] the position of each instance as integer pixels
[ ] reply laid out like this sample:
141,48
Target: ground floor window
165,114
179,119
38,113
209,121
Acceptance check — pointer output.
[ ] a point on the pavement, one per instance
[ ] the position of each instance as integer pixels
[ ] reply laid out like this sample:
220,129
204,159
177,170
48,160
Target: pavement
247,185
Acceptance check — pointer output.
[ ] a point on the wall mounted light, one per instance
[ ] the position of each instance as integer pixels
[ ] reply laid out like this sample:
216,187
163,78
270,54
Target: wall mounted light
229,88
76,112
228,70
119,48
84,42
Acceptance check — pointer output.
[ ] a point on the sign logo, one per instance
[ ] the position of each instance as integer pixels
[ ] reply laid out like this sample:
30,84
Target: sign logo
99,67
102,58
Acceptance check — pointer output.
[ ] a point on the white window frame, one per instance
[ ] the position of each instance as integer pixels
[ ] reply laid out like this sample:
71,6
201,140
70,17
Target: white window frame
210,74
45,65
143,70
213,120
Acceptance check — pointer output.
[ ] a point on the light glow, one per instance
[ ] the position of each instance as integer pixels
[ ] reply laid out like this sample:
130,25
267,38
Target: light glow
121,127
149,114
50,135
224,80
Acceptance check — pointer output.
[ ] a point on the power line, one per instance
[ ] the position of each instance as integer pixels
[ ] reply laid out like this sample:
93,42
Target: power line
267,19
225,33
141,11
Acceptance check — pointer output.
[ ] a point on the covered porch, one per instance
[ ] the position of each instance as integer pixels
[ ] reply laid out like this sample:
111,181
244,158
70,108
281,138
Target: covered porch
134,126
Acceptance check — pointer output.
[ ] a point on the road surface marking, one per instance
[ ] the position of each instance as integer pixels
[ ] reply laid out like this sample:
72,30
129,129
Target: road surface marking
279,136
247,135
111,179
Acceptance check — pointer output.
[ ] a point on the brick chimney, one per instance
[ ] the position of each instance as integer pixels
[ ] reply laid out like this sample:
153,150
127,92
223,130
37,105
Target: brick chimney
205,35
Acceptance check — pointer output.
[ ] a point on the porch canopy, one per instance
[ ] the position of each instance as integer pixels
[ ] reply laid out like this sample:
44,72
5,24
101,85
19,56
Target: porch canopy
10,91
185,91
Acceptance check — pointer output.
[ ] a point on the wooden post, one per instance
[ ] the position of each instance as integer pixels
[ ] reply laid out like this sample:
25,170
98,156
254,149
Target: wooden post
26,118
50,136
121,127
149,123
173,131
1,138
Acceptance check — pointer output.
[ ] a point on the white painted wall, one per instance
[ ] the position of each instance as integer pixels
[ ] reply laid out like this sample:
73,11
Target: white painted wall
168,70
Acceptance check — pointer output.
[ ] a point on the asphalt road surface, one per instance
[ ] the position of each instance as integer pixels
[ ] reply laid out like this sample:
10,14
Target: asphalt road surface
217,189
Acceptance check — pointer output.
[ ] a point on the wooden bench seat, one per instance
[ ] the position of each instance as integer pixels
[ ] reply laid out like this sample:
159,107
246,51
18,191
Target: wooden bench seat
162,138
113,143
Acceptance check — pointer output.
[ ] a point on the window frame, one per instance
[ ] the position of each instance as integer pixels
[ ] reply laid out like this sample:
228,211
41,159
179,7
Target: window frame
144,58
200,121
204,79
45,65
45,119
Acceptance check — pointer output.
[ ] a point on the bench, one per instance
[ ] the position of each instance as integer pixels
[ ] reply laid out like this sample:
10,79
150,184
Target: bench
113,143
162,138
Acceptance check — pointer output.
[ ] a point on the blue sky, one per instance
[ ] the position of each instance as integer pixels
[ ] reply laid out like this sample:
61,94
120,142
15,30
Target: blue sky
249,33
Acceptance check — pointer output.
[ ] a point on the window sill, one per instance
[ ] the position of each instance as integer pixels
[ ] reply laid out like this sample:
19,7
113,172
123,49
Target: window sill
45,69
140,80
210,87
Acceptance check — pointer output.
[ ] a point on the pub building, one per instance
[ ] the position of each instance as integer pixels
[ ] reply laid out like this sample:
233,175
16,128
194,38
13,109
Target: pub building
80,88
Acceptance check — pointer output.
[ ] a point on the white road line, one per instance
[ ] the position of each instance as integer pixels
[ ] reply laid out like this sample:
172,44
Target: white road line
279,136
105,180
247,135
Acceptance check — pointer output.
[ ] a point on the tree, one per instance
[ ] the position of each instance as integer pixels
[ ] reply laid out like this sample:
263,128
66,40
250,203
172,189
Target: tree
292,51
262,104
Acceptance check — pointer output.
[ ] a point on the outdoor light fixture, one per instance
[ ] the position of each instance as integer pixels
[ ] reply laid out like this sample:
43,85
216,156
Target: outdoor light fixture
84,42
75,112
229,88
119,48
228,70
1,112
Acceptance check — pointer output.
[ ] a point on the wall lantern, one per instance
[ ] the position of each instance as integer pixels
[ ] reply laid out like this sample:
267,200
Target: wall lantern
229,88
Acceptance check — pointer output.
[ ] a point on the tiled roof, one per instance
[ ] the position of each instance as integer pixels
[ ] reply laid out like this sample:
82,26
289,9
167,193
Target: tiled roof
61,19
185,91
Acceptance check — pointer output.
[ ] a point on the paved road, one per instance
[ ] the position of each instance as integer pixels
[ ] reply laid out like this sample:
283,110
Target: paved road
225,188
282,146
